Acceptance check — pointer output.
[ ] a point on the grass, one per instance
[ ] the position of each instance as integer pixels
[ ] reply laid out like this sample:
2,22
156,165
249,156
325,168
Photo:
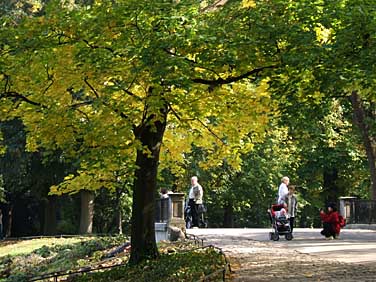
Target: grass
30,258
13,248
178,261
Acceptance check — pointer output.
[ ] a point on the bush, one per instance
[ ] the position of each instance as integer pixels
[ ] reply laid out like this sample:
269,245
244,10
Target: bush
189,265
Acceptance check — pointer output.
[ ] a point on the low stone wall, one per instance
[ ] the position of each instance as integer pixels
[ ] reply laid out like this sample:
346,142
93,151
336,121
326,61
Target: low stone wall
361,226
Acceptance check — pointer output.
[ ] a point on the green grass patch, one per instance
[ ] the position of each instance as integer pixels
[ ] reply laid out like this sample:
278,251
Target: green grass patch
13,248
36,257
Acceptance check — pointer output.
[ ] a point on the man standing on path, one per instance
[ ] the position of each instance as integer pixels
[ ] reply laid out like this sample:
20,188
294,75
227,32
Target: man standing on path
195,200
283,190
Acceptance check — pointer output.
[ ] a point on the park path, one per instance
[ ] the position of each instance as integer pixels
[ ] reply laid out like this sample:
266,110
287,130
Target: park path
308,257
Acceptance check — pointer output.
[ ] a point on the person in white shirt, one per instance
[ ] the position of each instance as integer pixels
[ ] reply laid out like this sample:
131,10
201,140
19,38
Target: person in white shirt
195,196
283,190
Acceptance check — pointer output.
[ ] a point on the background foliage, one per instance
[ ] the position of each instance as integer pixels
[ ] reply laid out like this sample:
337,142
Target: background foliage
255,90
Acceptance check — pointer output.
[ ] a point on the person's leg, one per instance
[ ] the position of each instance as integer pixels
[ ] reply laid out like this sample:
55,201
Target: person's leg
327,229
196,220
332,231
193,212
292,220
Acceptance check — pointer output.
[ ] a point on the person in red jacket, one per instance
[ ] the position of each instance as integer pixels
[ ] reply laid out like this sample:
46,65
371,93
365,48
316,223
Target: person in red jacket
331,222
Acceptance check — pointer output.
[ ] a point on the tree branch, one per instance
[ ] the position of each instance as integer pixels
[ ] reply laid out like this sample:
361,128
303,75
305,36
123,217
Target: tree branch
189,60
98,47
104,103
126,90
201,122
211,131
91,87
18,96
221,81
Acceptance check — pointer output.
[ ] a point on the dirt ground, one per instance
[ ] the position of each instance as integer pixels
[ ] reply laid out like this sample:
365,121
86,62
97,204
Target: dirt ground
308,257
266,263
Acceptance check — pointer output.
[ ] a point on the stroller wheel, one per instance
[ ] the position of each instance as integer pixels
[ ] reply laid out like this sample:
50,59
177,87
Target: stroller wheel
275,237
288,236
271,235
188,224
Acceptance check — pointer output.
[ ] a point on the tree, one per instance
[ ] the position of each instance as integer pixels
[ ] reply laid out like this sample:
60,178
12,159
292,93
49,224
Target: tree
14,167
125,80
352,55
338,62
109,80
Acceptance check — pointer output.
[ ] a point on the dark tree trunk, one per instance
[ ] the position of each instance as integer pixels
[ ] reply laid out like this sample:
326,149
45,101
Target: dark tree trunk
228,216
87,212
8,231
360,118
119,213
150,134
50,222
330,176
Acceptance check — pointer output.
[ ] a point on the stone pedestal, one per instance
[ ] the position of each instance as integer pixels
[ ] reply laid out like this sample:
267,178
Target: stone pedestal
161,231
177,210
169,214
346,207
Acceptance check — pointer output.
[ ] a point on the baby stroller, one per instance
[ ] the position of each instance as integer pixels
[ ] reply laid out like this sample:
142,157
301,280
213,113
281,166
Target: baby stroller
280,223
188,217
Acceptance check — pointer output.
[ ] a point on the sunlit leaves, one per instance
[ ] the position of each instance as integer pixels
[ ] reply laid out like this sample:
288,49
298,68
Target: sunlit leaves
323,34
248,4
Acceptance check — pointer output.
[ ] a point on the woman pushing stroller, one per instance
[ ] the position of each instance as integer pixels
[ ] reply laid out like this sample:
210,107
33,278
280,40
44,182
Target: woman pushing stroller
282,214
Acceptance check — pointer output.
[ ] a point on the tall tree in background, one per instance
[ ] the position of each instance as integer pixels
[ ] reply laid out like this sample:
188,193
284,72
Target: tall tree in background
352,58
14,167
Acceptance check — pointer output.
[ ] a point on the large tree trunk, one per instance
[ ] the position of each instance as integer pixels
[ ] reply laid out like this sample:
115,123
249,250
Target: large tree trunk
360,118
330,176
50,222
228,216
119,213
8,231
150,135
87,212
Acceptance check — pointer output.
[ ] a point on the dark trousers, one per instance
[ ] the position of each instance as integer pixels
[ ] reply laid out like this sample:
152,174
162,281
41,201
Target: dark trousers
1,232
194,212
292,220
328,230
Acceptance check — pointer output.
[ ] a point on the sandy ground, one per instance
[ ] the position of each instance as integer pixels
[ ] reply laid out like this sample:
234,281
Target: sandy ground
308,257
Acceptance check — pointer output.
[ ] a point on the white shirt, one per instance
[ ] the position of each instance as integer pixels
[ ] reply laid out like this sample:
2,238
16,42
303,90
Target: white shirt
198,196
282,192
191,194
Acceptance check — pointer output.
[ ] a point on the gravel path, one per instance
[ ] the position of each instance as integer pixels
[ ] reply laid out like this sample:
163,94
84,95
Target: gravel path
308,257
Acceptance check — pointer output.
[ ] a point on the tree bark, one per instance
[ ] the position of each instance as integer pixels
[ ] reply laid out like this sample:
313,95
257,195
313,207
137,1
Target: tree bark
50,222
330,176
150,134
360,118
228,216
87,212
8,231
119,213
